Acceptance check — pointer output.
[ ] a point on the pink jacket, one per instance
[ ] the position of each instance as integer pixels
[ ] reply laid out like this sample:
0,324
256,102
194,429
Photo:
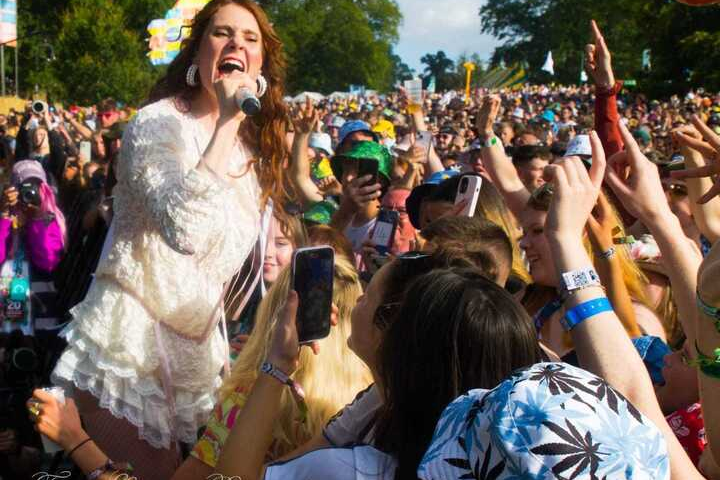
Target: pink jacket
43,242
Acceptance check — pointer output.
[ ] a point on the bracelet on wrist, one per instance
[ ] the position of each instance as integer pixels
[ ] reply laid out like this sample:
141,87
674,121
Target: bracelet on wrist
109,467
607,254
576,280
708,365
579,313
295,388
710,311
88,439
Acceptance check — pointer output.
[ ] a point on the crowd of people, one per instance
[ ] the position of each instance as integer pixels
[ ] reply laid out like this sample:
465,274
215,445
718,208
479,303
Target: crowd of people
563,322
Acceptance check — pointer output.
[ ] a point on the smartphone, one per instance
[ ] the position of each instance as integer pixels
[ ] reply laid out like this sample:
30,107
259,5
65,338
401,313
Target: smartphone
468,191
86,151
368,166
384,233
423,139
313,271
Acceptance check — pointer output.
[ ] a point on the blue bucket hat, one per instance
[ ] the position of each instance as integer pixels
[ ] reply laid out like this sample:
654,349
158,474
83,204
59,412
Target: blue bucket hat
547,421
353,126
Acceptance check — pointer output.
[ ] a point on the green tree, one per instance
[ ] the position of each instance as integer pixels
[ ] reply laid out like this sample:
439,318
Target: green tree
331,44
401,71
100,56
439,66
681,39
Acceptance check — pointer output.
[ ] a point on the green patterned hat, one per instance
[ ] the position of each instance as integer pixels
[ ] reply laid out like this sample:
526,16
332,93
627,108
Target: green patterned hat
372,150
321,212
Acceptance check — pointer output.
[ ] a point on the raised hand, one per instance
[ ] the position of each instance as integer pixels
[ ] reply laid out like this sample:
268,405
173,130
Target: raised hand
576,191
330,186
636,181
487,115
709,148
598,61
307,118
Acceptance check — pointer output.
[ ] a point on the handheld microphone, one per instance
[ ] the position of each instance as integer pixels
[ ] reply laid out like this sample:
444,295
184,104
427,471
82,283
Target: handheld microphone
244,98
247,102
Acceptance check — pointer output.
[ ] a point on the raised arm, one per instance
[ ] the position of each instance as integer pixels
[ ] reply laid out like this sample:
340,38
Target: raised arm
496,162
305,123
602,345
642,195
709,344
598,64
705,210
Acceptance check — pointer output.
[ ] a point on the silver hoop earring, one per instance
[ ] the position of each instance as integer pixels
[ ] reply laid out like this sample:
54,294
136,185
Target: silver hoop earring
262,86
190,77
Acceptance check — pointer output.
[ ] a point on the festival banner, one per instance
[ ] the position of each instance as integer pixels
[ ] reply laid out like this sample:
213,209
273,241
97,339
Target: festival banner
167,34
8,22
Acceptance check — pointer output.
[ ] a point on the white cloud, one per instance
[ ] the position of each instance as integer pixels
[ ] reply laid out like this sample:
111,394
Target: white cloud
449,25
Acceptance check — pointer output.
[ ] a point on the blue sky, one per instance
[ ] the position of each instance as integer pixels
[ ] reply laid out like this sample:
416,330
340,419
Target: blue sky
449,25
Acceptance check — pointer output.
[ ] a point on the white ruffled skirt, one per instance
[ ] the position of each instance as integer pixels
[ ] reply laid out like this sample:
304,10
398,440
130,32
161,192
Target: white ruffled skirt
113,353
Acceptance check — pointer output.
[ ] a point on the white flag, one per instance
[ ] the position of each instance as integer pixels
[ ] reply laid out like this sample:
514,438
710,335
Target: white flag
549,65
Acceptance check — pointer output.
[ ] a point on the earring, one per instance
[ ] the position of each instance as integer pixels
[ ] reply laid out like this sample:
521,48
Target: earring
190,77
262,86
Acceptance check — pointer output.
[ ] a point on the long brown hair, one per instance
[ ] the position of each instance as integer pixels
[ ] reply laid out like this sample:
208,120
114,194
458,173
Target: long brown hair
264,133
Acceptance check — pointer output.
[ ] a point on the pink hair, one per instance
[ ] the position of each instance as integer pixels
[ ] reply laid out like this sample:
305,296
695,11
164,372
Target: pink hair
48,205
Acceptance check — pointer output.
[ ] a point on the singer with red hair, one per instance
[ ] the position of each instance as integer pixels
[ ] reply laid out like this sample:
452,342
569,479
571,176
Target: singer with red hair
200,167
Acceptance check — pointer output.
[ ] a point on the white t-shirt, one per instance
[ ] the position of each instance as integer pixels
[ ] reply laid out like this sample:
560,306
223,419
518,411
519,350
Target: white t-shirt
361,462
357,235
355,423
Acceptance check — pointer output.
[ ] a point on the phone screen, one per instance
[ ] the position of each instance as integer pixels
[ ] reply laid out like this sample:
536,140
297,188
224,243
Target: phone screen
313,274
384,232
86,151
368,166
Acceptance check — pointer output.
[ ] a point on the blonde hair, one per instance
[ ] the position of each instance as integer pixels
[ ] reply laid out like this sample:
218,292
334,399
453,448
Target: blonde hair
330,380
492,207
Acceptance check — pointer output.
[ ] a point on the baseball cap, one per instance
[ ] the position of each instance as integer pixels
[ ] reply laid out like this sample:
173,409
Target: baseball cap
321,141
580,146
421,192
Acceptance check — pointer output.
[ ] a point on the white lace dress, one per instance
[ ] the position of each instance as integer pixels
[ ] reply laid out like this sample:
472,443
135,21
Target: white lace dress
179,234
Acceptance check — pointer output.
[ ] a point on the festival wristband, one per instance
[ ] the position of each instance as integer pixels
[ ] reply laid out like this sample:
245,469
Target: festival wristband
710,311
297,391
573,281
710,366
607,254
491,141
583,311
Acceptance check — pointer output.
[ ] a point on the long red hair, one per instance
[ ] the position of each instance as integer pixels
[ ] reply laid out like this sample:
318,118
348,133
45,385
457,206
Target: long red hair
263,133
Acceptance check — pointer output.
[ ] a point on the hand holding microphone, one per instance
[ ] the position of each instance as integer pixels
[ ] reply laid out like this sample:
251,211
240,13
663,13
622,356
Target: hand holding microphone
244,97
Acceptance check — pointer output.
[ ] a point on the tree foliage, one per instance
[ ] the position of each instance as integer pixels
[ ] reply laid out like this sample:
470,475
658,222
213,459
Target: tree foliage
441,67
84,50
333,44
681,38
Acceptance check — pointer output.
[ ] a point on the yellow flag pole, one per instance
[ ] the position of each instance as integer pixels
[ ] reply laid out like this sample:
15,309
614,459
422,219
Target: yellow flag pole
469,68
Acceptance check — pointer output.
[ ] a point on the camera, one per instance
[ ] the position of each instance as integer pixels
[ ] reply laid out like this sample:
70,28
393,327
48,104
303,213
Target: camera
39,107
29,194
464,184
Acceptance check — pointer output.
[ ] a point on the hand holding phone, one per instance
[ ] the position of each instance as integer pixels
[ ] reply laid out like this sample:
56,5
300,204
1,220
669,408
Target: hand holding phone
313,273
368,166
468,192
384,232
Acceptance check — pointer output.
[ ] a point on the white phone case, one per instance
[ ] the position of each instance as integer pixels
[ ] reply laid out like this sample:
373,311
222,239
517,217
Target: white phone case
470,195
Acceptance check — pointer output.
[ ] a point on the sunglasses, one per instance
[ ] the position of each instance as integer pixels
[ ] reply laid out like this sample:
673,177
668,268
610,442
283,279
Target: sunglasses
413,264
677,190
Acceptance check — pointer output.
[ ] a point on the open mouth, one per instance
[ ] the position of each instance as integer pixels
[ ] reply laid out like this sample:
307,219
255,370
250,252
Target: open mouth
228,65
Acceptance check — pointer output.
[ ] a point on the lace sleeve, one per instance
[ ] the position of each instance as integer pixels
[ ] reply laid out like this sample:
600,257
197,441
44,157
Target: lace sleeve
186,204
